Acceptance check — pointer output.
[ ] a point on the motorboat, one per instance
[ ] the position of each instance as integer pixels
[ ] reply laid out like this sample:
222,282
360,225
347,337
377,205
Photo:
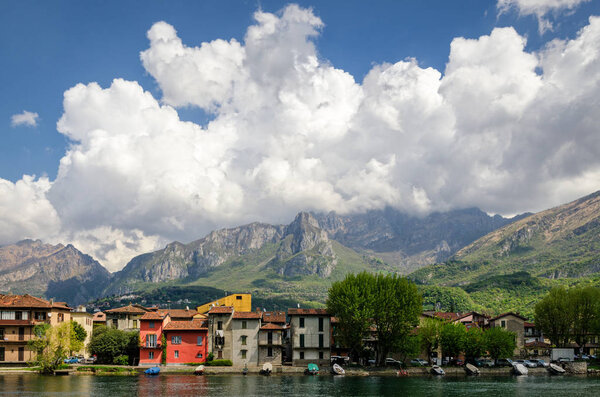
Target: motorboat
245,370
470,369
437,370
312,369
555,369
267,369
199,370
337,370
520,369
152,371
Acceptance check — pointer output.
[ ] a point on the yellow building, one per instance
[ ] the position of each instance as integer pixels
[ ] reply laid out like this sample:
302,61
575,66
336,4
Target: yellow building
239,302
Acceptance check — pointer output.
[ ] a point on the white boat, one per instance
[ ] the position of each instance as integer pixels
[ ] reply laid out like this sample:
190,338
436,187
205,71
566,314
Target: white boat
199,370
471,369
337,370
520,369
437,370
555,369
267,368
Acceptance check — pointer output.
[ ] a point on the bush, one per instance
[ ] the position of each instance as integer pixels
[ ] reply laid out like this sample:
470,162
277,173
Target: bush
121,360
210,357
219,363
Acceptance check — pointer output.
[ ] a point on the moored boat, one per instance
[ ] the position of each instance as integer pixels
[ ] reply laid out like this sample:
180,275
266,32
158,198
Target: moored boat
471,369
437,370
337,370
199,370
152,371
520,369
312,369
555,369
267,368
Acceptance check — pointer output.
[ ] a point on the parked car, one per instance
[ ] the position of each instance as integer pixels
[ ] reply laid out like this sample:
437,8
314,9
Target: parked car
504,362
393,363
91,360
540,363
456,361
419,362
480,362
340,360
564,360
527,363
71,360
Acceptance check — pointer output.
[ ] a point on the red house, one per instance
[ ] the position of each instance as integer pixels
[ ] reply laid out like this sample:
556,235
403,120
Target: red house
152,326
186,341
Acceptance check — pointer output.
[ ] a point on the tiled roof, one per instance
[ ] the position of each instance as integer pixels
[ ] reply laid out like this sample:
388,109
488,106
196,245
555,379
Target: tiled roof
23,301
187,325
181,313
274,317
132,309
273,326
447,315
537,343
153,316
99,316
221,310
247,315
307,312
508,314
529,325
473,314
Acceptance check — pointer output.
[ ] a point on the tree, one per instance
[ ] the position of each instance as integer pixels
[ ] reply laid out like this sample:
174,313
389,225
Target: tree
473,344
554,316
499,342
349,301
78,335
409,348
451,339
109,343
51,345
584,306
429,332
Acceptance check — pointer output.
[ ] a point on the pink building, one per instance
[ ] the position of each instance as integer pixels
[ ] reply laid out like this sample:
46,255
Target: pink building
152,325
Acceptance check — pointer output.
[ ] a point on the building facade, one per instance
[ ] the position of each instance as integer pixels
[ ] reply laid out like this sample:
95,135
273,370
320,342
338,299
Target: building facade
512,322
219,332
186,341
81,316
125,318
310,336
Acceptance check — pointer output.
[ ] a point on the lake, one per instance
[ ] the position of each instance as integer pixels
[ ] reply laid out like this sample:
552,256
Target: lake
254,385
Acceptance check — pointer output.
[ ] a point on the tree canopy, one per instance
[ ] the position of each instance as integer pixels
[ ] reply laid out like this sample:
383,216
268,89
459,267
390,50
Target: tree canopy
499,343
109,343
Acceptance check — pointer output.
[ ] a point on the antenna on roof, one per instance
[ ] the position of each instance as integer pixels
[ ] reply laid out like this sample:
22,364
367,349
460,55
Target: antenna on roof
298,306
187,308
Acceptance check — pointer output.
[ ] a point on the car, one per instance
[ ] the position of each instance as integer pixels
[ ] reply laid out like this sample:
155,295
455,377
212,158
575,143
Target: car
419,362
504,362
481,362
71,360
339,360
91,360
456,361
527,363
392,362
563,360
540,363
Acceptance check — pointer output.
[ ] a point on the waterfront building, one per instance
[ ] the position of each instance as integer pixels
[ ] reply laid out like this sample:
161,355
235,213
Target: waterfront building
220,333
245,327
239,303
310,336
81,316
186,341
151,332
125,318
99,319
512,322
19,314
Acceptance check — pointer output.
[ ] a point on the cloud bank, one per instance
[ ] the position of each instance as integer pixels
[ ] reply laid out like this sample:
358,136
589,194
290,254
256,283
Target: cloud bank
502,129
28,119
539,8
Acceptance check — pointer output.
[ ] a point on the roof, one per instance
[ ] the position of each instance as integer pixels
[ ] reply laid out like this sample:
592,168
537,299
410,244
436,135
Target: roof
27,301
447,315
192,325
153,316
529,325
221,310
132,309
272,326
248,315
537,343
307,312
274,317
508,314
181,313
99,316
471,314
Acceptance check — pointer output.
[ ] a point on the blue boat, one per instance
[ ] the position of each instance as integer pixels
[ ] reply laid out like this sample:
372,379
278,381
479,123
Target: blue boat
152,371
312,369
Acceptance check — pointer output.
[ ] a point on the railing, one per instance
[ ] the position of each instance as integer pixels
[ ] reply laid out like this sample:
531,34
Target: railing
15,338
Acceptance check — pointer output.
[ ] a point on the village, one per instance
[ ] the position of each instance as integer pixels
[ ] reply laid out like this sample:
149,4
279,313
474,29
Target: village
229,332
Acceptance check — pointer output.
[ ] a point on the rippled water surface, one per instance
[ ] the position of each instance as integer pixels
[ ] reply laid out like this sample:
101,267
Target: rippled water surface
237,385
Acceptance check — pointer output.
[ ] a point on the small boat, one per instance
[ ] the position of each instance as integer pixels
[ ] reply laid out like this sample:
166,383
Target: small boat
245,370
152,371
267,368
437,370
199,370
555,369
471,369
520,369
337,370
312,369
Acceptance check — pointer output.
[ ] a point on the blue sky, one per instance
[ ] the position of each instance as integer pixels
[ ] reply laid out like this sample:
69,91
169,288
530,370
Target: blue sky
48,47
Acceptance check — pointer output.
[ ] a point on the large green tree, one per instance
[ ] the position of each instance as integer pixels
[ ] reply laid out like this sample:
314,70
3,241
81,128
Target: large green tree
473,344
452,336
554,316
585,308
51,346
109,343
78,335
499,343
429,331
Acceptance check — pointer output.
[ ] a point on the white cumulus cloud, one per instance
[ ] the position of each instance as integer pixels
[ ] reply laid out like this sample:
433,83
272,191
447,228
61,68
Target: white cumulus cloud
28,119
539,8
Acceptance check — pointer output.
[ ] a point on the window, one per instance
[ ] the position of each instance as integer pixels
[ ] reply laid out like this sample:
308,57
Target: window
151,340
151,324
134,323
150,355
219,324
176,340
176,353
269,351
244,338
199,341
244,353
244,324
1,333
301,322
18,315
238,297
320,341
25,315
199,355
115,323
7,315
40,316
320,324
503,324
320,355
301,355
270,337
301,340
61,317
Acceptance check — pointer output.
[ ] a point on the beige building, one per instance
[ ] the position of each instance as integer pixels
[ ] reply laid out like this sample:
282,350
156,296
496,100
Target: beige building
512,322
310,336
19,314
270,344
220,336
244,331
126,318
86,320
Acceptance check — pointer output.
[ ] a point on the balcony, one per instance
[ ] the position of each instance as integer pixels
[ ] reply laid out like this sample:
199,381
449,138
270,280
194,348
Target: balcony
15,338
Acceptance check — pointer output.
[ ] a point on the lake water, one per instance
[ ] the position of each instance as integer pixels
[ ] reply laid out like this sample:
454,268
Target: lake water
237,385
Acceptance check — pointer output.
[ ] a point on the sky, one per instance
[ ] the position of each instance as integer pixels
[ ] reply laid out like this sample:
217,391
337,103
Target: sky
125,125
